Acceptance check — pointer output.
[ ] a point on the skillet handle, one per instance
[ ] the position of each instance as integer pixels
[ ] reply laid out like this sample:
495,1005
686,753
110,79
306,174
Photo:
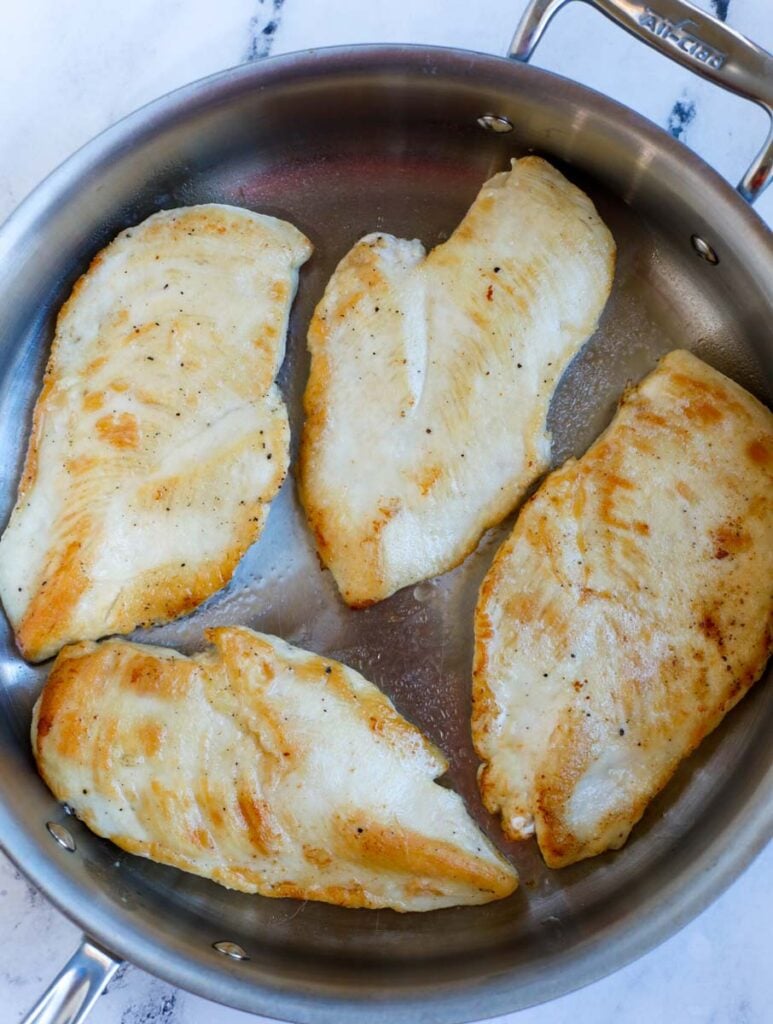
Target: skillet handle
72,994
692,38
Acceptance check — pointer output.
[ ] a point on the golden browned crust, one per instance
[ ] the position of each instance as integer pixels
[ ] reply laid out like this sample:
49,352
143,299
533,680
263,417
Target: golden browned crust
431,379
627,613
127,444
262,767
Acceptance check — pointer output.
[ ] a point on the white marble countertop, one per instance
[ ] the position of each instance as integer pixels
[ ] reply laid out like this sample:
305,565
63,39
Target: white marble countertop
69,70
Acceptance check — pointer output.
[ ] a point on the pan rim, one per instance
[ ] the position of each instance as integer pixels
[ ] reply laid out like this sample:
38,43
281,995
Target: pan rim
219,981
173,101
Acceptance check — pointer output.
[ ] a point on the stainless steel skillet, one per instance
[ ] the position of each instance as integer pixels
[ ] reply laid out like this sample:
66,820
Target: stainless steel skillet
342,142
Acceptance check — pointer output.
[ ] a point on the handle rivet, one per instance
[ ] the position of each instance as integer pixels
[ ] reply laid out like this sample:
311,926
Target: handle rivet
231,949
495,123
61,835
704,250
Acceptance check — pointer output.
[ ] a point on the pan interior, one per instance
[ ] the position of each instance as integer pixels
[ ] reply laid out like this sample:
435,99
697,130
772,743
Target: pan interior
339,157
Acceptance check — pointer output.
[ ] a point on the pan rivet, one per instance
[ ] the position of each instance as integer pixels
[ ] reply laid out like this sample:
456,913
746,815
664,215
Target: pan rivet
231,949
61,834
704,250
495,123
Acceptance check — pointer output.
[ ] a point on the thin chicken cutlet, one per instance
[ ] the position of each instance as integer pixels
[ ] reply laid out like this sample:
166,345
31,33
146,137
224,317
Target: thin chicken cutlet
159,437
263,767
628,612
432,375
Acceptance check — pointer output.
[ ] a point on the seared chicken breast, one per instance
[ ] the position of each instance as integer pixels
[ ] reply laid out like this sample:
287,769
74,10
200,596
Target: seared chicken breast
628,612
263,767
159,438
431,378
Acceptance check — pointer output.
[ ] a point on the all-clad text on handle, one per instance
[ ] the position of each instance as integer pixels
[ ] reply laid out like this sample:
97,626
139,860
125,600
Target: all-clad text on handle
695,40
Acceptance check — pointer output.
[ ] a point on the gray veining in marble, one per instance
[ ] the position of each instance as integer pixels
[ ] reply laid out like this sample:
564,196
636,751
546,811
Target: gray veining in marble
69,70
